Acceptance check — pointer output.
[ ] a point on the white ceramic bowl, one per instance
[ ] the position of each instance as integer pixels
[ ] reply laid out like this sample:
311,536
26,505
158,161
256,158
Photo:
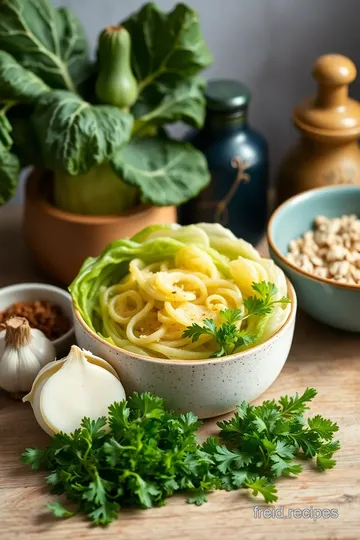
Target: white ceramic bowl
206,387
28,292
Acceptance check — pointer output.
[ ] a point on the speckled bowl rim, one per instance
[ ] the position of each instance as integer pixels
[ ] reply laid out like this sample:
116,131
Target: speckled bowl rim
44,287
294,200
231,357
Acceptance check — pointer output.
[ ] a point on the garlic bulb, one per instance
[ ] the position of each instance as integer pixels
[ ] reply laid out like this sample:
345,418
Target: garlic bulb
67,390
23,352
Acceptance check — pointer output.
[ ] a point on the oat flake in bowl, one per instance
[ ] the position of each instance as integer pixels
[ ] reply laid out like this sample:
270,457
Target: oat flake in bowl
331,250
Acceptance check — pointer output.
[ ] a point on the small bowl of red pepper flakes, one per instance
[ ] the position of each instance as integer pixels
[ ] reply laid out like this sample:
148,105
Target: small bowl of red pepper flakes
46,308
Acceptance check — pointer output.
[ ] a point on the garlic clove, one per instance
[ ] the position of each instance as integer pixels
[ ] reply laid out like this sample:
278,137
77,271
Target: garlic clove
23,352
67,390
8,371
29,365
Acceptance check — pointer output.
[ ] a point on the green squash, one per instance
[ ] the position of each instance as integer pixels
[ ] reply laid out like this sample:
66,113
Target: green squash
115,84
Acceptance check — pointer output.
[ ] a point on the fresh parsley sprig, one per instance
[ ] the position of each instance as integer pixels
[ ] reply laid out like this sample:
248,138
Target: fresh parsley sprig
262,443
149,453
227,335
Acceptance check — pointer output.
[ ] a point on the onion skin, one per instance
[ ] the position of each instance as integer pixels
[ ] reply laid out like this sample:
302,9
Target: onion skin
34,396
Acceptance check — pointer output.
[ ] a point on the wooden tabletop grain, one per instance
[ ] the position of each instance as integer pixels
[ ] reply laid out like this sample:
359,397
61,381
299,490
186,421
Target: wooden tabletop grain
320,357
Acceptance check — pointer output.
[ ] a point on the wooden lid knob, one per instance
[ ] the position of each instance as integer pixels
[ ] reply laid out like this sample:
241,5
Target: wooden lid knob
333,73
334,70
331,112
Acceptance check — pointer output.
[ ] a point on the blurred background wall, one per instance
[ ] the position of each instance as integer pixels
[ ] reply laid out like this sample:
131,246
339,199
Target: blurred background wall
270,45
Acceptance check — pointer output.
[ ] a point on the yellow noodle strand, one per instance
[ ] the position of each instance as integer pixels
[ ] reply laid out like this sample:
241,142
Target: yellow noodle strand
144,339
118,305
148,311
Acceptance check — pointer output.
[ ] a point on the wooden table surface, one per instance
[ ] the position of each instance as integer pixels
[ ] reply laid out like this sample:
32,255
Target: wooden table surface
320,357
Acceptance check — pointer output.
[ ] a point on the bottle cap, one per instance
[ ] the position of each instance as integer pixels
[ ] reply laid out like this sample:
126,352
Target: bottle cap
331,113
226,95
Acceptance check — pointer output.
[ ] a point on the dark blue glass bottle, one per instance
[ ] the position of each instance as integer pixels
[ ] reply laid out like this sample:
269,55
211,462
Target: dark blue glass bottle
238,161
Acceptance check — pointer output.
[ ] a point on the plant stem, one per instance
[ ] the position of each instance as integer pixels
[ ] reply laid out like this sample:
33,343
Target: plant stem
7,106
66,76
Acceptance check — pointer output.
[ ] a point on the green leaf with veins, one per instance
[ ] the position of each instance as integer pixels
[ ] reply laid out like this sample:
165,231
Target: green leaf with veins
284,450
260,424
5,130
94,427
75,135
18,85
119,415
265,290
9,173
164,104
166,172
281,466
104,514
239,477
25,141
146,405
262,486
196,330
166,47
323,426
59,510
227,459
49,42
297,404
232,315
34,457
330,447
256,306
145,491
324,462
96,491
198,497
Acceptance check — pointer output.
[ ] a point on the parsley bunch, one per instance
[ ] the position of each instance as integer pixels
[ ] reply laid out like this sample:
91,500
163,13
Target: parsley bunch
228,336
263,441
148,454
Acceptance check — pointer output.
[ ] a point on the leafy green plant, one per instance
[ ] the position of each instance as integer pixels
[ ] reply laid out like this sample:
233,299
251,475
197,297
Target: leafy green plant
105,119
149,453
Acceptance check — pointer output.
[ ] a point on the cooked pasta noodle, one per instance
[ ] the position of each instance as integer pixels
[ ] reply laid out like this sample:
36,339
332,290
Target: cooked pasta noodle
149,309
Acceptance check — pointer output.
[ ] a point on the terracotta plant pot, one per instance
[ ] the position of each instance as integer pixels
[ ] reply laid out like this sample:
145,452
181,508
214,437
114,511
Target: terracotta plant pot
60,241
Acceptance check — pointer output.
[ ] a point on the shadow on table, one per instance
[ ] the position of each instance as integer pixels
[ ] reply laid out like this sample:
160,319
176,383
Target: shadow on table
318,340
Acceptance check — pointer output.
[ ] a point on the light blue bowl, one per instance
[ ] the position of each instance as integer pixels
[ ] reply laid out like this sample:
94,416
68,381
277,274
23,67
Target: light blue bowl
336,304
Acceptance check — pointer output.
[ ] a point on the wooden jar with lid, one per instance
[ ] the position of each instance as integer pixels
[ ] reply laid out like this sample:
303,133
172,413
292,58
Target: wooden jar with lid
329,124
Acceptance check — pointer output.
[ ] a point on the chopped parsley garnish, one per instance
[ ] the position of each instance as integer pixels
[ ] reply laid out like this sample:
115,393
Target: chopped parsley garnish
227,335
